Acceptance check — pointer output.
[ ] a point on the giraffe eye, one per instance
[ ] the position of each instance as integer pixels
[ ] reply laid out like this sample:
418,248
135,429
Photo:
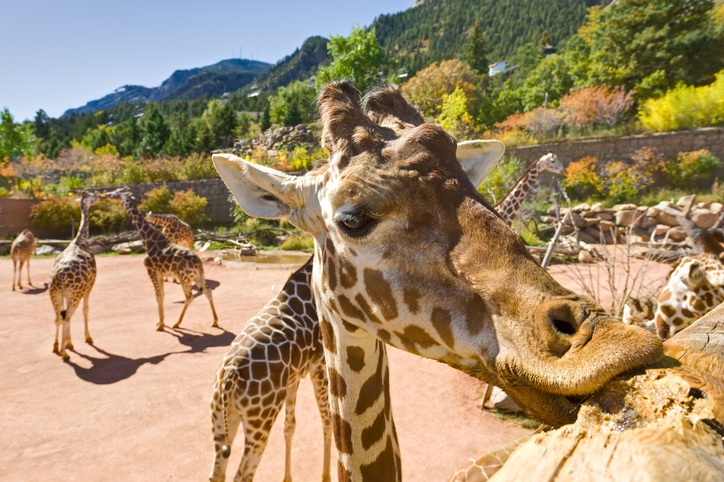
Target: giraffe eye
355,224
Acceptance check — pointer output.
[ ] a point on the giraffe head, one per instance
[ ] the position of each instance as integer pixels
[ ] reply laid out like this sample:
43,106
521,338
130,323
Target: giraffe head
123,194
407,250
87,199
550,162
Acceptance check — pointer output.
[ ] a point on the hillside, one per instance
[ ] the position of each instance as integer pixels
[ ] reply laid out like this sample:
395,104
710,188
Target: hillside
225,76
437,29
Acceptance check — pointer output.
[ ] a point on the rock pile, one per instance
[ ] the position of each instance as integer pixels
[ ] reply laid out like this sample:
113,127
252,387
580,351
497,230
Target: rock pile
598,225
274,139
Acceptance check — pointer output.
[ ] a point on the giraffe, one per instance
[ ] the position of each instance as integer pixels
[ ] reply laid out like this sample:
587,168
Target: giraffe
407,253
261,372
20,250
72,279
509,206
640,312
286,305
164,258
482,467
177,231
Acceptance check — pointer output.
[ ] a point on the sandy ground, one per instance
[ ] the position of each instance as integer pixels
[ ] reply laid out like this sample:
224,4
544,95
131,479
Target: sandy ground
135,406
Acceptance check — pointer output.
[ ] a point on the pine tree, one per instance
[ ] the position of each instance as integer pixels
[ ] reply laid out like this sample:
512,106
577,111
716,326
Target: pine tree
476,54
265,122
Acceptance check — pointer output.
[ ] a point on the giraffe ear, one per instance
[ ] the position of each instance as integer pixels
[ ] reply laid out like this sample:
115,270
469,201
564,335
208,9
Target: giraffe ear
479,157
261,191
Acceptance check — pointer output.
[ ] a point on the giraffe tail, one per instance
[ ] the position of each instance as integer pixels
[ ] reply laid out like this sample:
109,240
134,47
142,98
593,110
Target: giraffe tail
222,408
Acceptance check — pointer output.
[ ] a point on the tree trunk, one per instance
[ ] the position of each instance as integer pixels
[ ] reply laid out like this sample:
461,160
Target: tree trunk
665,423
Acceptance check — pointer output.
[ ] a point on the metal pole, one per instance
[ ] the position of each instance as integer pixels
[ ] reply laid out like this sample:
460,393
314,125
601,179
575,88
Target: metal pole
549,253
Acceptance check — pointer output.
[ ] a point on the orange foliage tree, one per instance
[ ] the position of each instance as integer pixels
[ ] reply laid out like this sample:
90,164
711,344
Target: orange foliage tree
426,89
596,105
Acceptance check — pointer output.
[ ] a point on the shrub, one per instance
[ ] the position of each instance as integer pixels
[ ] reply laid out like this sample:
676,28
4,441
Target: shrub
501,179
685,107
157,200
298,242
107,215
582,177
454,116
55,212
428,86
596,105
189,206
689,167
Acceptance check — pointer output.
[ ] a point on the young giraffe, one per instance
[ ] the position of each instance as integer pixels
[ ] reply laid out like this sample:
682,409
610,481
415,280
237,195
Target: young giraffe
21,249
509,206
177,231
261,372
295,301
408,253
72,279
164,258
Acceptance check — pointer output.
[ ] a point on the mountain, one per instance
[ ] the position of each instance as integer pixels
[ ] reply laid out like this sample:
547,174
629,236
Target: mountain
436,30
225,76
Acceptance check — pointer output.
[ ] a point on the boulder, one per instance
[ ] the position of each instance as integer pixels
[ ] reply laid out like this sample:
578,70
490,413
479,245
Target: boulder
686,201
48,249
588,236
584,256
716,208
661,230
626,217
646,222
703,218
606,226
677,233
598,208
127,248
581,207
623,207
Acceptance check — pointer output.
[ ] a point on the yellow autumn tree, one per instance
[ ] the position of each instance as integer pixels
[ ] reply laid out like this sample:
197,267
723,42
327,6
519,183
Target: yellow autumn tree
426,89
454,116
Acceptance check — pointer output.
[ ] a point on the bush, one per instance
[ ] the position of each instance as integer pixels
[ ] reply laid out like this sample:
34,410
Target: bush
501,179
107,215
157,200
596,105
55,212
685,107
582,178
189,207
689,167
298,242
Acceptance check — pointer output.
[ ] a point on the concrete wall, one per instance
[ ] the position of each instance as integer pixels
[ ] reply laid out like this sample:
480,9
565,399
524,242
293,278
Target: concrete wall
622,148
15,216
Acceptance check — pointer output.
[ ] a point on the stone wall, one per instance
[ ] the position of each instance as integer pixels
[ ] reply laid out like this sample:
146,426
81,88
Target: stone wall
621,148
15,216
214,190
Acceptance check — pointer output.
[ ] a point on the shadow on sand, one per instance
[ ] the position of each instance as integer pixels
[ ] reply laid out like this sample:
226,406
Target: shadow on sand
34,290
212,284
113,368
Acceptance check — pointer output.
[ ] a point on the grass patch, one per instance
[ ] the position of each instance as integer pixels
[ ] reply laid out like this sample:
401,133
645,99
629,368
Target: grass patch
520,418
298,242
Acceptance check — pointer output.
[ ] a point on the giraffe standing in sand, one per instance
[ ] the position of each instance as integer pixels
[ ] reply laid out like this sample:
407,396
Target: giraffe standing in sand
164,258
20,250
509,206
72,279
261,372
177,231
407,253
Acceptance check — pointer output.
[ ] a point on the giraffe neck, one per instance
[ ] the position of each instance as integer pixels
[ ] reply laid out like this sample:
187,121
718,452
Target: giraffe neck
83,230
509,206
150,236
160,221
359,382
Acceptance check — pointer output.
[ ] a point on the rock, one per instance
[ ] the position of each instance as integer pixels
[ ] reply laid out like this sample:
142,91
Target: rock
585,257
652,212
247,251
623,207
218,261
686,201
606,226
703,218
677,233
661,229
130,247
703,205
646,222
567,229
587,236
643,234
547,219
98,249
605,215
598,208
667,217
4,248
626,217
48,249
588,214
581,207
716,208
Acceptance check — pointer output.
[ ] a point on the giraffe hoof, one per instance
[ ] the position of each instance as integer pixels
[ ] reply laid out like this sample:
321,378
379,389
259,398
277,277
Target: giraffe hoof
68,346
89,340
65,356
177,325
160,327
215,325
55,348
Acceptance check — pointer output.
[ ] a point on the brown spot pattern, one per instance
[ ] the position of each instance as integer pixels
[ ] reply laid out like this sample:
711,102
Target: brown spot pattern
342,434
384,468
380,293
337,385
373,433
355,358
348,273
411,297
371,389
366,308
349,309
442,321
328,337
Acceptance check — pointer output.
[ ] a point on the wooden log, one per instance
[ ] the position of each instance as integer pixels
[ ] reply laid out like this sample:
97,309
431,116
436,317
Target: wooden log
664,423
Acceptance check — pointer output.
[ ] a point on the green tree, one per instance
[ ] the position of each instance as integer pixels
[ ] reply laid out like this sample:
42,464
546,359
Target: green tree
476,53
222,121
265,122
16,140
358,57
41,127
293,104
126,137
155,131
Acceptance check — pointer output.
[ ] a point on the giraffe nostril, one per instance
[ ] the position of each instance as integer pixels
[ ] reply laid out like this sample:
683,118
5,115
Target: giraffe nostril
563,326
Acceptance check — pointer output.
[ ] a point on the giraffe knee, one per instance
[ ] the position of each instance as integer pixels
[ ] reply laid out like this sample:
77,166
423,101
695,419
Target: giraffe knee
63,313
225,451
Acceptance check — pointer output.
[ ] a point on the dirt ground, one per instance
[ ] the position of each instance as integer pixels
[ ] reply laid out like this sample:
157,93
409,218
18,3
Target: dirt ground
135,406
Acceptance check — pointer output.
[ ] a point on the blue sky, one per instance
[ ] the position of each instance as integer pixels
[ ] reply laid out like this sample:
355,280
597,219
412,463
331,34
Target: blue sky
60,54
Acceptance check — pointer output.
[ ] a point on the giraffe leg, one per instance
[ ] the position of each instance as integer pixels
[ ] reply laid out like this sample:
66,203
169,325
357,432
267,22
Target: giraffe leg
30,283
290,424
67,314
157,280
20,273
188,294
88,338
256,439
318,373
201,282
56,298
222,436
